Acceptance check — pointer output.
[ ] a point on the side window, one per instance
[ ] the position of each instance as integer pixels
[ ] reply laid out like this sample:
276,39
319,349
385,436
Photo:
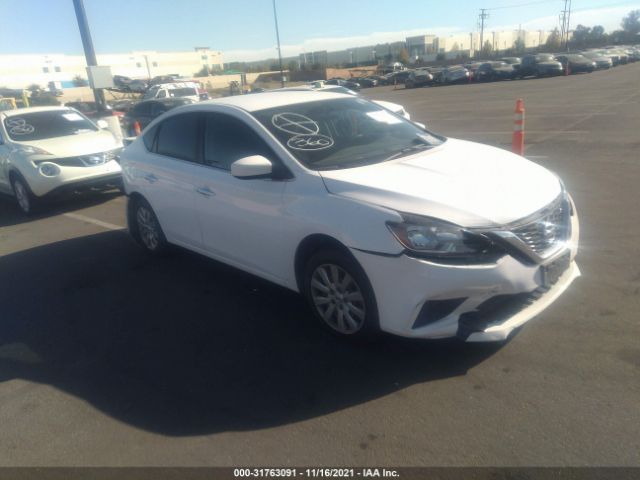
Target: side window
162,94
227,139
157,109
149,137
142,110
178,137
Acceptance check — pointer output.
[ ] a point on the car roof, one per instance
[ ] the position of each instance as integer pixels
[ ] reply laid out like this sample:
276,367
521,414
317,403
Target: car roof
22,111
273,99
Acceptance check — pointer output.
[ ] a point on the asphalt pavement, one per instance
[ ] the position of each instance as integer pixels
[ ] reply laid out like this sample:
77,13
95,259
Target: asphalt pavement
111,358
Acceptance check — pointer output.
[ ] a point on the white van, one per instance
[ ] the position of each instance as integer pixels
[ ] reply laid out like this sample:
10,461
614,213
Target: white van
176,89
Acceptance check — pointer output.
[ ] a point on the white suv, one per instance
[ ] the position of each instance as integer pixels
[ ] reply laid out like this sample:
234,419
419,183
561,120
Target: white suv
380,224
171,90
47,150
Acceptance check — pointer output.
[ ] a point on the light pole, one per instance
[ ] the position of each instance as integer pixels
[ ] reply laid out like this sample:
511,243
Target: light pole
87,44
275,18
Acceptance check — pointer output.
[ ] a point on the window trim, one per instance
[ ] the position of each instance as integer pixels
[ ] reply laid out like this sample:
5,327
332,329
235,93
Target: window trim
280,172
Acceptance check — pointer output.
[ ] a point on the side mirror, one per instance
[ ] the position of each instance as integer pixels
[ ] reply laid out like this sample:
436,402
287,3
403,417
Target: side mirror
254,166
421,125
102,124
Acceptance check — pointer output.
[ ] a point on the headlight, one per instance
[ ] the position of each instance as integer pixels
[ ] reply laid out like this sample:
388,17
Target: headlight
30,150
49,169
94,159
435,238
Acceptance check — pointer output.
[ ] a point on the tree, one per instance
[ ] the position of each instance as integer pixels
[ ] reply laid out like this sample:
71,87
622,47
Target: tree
581,35
403,56
597,34
78,81
553,42
455,47
487,49
631,23
33,88
203,72
518,45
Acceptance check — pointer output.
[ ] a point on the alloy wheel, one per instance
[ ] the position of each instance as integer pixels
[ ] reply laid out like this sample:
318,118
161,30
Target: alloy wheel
22,196
338,298
147,227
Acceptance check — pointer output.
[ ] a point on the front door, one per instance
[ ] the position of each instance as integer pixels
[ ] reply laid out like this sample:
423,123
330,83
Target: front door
241,220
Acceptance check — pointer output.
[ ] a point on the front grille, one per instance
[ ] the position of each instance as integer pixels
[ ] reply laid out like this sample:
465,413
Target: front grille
547,230
83,160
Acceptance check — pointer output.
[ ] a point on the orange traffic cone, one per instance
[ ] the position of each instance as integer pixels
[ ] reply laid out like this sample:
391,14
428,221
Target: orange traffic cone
517,144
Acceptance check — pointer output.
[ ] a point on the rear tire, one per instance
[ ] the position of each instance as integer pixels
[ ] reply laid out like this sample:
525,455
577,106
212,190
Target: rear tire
27,202
340,295
146,229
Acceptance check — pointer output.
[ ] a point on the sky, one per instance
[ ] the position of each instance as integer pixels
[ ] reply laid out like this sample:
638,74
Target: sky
244,29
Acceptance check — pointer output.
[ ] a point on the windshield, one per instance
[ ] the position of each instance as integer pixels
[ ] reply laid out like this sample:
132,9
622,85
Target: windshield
182,92
343,133
49,124
151,93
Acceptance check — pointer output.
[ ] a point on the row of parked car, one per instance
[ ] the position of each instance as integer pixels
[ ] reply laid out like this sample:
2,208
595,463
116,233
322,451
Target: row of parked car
506,68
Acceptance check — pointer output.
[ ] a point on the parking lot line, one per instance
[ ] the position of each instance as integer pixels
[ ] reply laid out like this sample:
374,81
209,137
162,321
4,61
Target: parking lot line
506,132
94,221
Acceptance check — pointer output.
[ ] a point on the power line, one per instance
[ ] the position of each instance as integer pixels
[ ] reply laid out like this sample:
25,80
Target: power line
522,4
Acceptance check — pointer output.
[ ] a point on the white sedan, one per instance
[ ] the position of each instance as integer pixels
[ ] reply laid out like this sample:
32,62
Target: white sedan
47,150
380,224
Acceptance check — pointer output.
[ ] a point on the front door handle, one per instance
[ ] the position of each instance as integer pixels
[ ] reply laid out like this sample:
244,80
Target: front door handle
151,178
205,191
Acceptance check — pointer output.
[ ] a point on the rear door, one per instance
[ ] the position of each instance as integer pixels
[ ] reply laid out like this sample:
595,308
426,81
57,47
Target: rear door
171,174
4,157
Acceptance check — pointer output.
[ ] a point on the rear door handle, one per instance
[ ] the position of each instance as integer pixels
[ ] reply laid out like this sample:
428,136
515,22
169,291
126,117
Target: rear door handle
151,178
205,191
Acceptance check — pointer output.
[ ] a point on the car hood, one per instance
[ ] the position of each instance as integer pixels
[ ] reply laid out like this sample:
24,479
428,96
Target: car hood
81,144
550,64
581,62
466,183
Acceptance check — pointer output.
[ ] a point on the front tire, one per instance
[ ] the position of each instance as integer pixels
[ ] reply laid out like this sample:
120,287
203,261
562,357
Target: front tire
340,295
26,201
146,229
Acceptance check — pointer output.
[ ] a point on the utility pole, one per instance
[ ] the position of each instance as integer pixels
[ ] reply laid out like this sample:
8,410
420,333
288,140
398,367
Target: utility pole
87,44
275,17
568,24
564,28
483,16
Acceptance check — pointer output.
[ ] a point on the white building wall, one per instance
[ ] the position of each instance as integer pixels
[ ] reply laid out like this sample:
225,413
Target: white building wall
19,71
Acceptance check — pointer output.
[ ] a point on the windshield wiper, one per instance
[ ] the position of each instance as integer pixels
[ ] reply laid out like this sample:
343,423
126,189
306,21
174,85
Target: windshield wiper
408,150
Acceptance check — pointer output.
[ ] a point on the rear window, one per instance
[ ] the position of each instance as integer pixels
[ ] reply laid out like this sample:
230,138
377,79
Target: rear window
29,127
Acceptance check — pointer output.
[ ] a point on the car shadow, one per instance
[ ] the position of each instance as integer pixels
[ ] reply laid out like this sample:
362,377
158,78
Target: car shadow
11,215
184,345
